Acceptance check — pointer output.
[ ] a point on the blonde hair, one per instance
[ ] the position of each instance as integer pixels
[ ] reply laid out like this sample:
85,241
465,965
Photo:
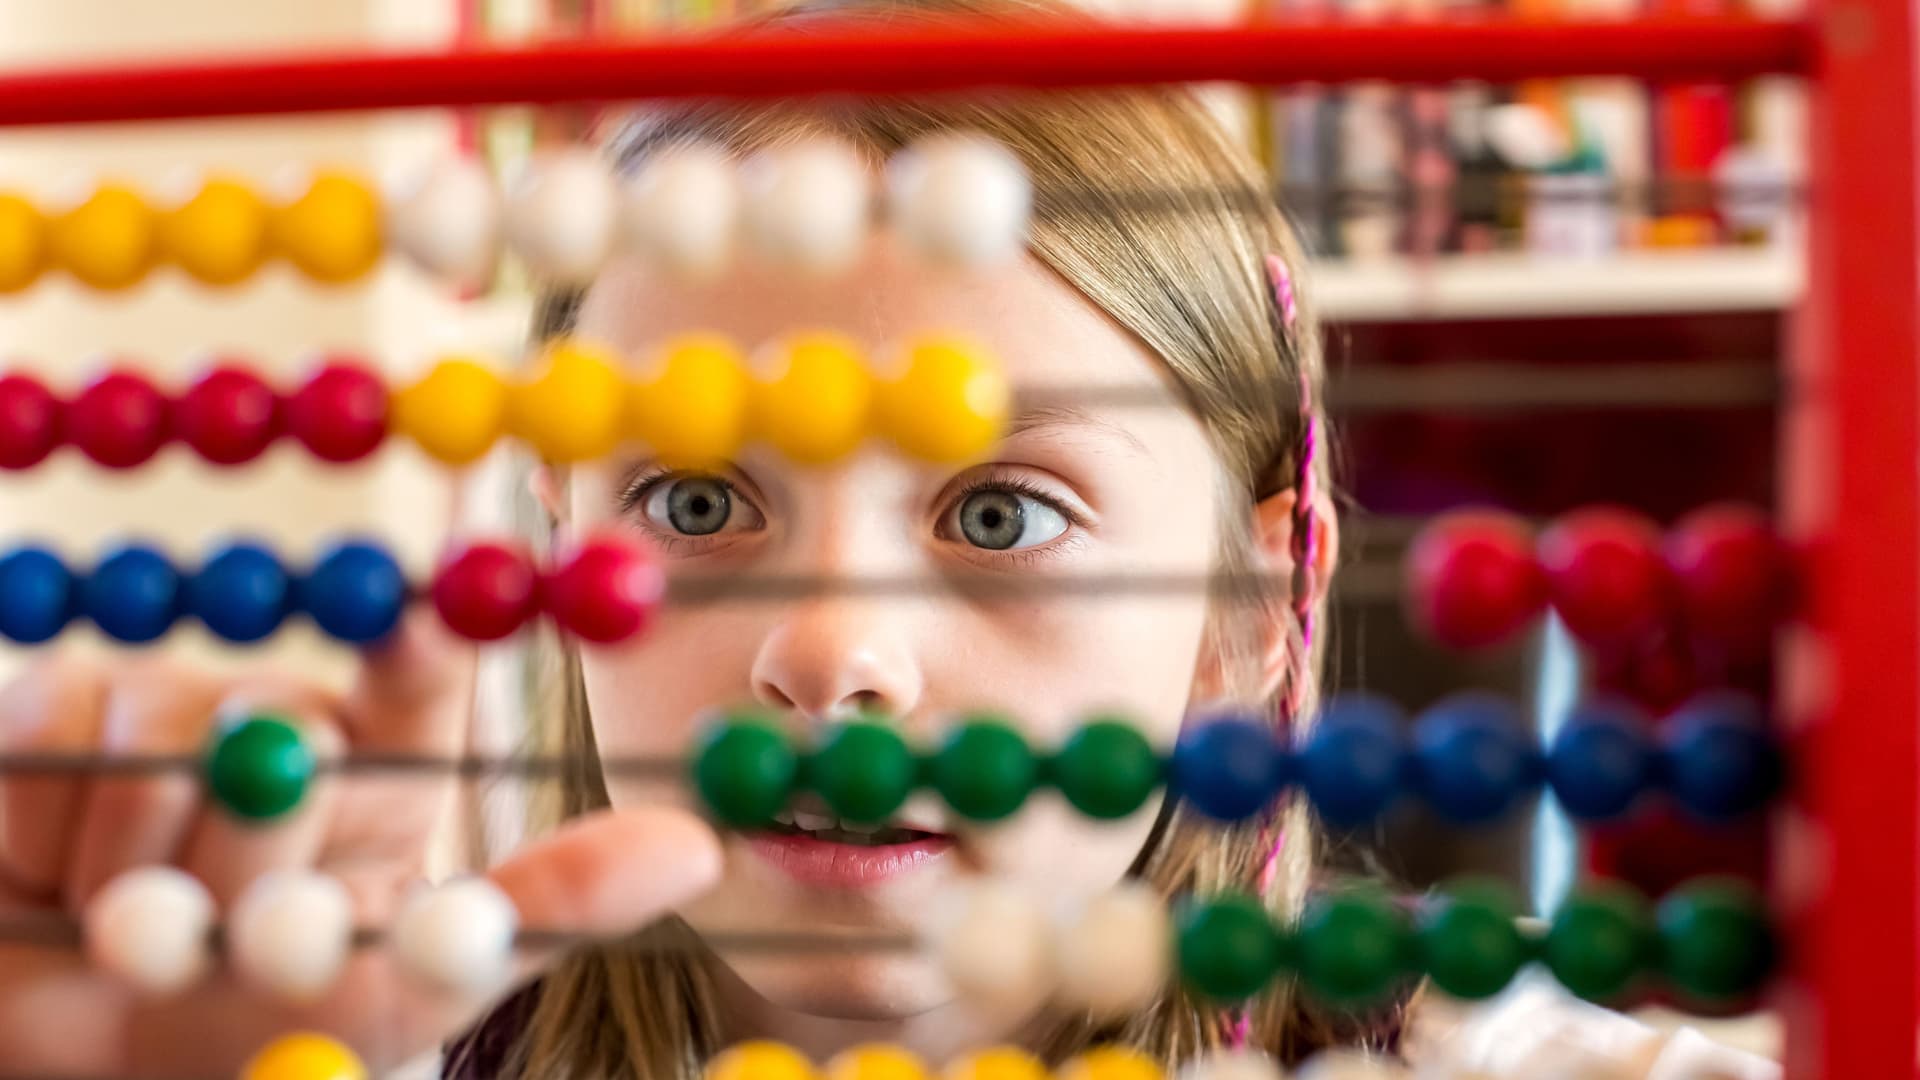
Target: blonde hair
1145,207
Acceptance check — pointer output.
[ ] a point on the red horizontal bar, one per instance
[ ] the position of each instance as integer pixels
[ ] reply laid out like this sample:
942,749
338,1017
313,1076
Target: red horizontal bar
850,59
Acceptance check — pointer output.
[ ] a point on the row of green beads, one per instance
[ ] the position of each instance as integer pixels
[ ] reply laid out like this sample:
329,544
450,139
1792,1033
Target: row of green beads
746,769
1710,940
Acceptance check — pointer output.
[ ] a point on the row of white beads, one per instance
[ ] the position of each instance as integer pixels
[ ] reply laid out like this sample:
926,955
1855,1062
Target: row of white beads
955,199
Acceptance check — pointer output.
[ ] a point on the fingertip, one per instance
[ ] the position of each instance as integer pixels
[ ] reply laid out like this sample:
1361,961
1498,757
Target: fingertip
609,873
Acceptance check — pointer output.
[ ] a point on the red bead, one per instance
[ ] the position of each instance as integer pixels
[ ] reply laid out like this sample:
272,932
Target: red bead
1732,575
606,591
1472,579
1607,577
229,415
119,420
486,591
340,414
30,422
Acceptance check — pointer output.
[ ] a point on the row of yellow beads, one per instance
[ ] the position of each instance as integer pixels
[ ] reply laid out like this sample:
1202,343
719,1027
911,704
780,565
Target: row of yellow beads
776,1061
815,400
221,236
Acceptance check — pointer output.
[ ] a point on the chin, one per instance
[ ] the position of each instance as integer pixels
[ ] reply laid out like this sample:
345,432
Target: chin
846,988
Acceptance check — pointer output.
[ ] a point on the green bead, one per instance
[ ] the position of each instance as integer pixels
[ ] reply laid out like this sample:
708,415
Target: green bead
744,770
864,771
1717,944
1107,769
984,769
1352,947
1600,941
1470,943
1228,947
259,768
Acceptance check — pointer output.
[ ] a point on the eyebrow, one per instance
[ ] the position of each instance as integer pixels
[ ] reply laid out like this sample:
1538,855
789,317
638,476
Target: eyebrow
1046,418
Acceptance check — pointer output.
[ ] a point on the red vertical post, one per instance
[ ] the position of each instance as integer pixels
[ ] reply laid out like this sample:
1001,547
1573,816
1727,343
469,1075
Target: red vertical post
1852,480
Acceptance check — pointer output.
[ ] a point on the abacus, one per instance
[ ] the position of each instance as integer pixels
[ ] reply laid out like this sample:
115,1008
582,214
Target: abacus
1847,584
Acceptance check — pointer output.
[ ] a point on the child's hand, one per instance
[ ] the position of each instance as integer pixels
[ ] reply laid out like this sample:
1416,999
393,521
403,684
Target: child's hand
63,837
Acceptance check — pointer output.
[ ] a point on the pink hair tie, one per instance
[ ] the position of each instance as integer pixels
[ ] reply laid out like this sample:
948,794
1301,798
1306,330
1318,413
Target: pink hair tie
1281,279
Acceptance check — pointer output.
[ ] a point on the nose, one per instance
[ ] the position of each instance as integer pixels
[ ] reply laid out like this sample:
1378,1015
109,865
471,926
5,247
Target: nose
830,657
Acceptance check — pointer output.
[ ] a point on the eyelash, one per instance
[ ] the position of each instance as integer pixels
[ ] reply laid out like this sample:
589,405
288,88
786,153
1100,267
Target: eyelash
642,484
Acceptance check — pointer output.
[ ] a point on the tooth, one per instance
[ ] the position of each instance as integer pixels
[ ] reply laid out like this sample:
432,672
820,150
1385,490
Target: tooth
863,830
814,821
784,817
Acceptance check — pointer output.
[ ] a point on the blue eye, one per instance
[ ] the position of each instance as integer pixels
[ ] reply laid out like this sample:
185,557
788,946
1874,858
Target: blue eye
695,506
1000,519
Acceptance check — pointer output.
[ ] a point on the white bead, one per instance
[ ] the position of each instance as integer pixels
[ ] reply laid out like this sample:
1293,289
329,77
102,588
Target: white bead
996,944
807,206
1233,1065
1115,957
290,933
149,928
560,216
1347,1065
961,200
458,936
681,211
448,221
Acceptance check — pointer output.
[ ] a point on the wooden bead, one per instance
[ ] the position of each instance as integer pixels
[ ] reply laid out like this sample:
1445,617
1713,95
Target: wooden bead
995,1063
1117,955
447,221
304,1056
1346,1065
148,927
876,1061
455,413
949,405
693,410
290,932
23,243
807,206
1233,1065
1111,1063
572,408
332,231
108,241
220,236
681,211
458,936
960,199
560,216
761,1059
996,944
816,405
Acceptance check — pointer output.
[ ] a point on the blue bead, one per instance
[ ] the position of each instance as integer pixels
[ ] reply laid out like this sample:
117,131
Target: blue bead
133,596
355,593
1721,762
242,592
1351,764
1601,760
36,595
1228,767
1473,758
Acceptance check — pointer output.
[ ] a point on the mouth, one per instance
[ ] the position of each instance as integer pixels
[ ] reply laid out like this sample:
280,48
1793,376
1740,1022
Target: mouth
822,850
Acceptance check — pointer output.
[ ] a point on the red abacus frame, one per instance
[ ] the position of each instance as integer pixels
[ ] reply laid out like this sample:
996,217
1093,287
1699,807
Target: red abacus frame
1851,436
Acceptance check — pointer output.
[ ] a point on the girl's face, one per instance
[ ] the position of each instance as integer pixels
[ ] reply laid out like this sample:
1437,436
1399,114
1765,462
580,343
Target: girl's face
1095,489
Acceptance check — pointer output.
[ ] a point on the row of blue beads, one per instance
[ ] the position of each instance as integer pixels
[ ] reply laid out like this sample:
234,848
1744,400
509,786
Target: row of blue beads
1472,759
355,592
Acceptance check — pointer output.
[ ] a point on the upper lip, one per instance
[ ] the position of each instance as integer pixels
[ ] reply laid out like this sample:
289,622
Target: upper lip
916,814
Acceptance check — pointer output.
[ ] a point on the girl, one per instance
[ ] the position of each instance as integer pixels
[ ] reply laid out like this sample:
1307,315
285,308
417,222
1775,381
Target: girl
1155,329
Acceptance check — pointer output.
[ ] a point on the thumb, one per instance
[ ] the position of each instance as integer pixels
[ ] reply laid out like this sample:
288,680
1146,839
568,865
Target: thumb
414,689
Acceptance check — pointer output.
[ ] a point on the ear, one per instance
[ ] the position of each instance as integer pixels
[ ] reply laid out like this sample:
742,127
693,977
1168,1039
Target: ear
1273,526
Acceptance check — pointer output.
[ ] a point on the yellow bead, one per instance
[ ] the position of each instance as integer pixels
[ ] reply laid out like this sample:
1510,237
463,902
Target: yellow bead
454,414
108,241
23,243
761,1060
1111,1063
817,407
996,1063
572,408
304,1057
875,1061
949,406
332,233
693,412
220,235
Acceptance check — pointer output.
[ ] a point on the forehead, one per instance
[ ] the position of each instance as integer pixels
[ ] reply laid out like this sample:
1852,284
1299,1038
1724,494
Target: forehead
1044,331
